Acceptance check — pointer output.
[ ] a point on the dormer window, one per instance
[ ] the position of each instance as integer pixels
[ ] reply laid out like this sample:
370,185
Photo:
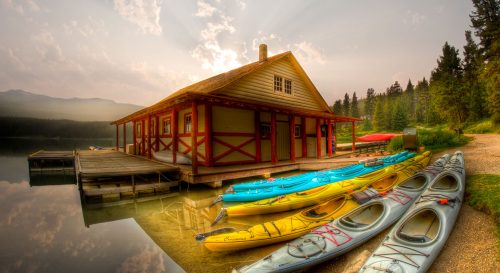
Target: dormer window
288,86
278,83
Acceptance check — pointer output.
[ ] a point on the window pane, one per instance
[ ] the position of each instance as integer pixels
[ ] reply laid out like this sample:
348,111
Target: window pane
278,83
288,86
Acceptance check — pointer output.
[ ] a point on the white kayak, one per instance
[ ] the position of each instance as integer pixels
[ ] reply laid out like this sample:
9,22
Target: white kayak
166,156
350,230
416,240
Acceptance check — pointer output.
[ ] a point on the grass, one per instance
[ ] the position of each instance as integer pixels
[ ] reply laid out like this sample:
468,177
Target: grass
482,127
483,193
435,140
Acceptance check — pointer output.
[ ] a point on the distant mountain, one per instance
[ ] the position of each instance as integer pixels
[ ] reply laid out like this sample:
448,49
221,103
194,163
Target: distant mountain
19,103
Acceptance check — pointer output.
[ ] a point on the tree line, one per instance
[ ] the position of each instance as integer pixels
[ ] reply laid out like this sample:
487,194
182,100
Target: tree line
458,91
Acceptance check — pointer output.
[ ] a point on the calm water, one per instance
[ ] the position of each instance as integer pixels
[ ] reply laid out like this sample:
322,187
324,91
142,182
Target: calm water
46,227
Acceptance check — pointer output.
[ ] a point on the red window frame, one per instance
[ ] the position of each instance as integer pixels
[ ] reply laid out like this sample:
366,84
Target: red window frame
167,120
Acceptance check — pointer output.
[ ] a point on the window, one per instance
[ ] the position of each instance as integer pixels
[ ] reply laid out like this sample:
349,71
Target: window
165,126
278,84
265,130
288,86
187,123
139,127
298,131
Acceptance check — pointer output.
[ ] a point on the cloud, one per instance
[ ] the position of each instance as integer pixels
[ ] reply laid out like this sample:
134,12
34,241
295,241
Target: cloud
144,13
88,28
150,259
47,47
22,6
414,18
307,52
204,9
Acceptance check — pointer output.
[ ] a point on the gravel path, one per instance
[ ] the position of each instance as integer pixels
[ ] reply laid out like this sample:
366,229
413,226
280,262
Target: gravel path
471,246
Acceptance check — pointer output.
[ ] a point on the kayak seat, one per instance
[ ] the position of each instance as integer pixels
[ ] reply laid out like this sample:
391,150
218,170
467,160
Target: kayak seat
363,217
420,228
447,183
315,214
414,183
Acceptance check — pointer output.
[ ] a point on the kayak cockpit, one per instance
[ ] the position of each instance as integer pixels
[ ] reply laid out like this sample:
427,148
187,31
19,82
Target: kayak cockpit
445,183
363,217
326,208
422,227
414,183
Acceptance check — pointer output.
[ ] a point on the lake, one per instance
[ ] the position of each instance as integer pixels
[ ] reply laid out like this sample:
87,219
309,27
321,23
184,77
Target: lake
45,225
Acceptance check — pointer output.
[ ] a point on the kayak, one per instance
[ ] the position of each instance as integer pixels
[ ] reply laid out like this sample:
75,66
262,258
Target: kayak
346,232
301,178
167,156
377,137
416,240
320,179
323,193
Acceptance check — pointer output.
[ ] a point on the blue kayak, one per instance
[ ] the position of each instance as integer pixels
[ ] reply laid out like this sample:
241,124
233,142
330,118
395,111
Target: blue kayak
308,182
302,178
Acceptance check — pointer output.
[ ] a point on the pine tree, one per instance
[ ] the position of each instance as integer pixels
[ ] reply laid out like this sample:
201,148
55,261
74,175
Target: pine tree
394,90
337,108
354,106
388,108
399,116
486,20
378,116
409,102
476,93
448,95
370,103
346,107
422,100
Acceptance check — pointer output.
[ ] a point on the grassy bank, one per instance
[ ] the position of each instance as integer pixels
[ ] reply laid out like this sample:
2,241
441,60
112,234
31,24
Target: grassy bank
435,140
483,193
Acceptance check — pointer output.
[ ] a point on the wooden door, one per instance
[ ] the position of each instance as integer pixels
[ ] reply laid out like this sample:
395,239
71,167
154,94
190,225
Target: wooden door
283,140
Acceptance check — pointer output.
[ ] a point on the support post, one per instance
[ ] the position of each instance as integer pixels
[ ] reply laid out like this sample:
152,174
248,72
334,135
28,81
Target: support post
117,137
150,132
329,132
194,136
335,135
208,135
125,137
157,133
304,137
134,136
274,158
292,137
318,138
175,131
258,151
353,137
143,136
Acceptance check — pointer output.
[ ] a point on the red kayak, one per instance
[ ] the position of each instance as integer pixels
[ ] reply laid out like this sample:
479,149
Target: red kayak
377,137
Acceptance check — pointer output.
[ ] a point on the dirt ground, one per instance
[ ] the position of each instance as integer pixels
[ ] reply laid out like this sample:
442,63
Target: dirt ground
471,245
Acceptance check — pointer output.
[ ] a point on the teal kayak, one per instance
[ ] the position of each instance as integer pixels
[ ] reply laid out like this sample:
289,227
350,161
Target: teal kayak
319,179
301,178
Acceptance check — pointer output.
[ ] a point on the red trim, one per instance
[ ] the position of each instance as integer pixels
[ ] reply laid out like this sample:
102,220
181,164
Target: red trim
125,137
208,135
134,136
174,135
329,133
184,135
233,148
335,134
164,144
117,137
318,138
149,137
304,137
194,129
188,148
258,152
292,138
274,158
157,133
143,137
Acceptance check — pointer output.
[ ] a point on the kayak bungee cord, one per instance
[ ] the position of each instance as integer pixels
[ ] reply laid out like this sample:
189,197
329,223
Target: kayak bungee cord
404,254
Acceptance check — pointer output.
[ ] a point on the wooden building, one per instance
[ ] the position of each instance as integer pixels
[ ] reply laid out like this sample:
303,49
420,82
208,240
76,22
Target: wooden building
266,111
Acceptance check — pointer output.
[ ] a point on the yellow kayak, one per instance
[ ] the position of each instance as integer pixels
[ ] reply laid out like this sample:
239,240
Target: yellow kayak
321,194
301,223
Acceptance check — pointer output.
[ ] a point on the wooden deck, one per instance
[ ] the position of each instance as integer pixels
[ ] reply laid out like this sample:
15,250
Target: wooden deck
51,162
110,163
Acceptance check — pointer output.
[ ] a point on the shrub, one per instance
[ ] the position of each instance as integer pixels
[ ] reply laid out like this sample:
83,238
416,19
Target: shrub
396,144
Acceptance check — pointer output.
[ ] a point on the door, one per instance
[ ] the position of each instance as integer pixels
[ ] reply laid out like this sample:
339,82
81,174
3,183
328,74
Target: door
283,140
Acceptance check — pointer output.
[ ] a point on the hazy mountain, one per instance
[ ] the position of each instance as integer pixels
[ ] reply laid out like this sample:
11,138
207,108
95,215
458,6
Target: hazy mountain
19,103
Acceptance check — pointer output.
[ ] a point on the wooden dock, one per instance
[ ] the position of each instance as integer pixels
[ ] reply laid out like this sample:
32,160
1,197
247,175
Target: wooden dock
51,162
112,175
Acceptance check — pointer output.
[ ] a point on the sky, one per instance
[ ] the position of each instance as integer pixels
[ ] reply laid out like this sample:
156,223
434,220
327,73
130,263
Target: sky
140,51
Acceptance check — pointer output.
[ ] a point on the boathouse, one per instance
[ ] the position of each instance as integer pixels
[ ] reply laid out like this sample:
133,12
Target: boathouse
268,111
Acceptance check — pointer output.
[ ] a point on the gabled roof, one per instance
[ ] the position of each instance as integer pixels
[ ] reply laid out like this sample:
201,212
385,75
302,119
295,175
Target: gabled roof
212,84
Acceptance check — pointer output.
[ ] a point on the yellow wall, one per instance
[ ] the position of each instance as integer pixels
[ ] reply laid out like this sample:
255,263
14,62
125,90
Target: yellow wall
259,86
225,119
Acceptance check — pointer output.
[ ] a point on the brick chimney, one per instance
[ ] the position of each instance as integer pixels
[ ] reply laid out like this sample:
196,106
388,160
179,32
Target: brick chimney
262,52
